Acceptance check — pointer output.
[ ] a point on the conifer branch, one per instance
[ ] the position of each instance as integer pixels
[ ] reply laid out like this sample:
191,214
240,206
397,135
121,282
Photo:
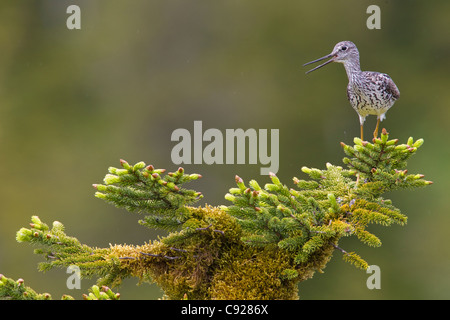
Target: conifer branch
17,290
142,188
331,205
259,247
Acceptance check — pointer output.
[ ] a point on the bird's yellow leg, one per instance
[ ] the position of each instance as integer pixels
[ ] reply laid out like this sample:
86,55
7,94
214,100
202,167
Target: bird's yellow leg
362,139
375,133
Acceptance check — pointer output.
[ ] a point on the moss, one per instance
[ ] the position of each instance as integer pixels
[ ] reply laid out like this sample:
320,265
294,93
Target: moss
253,274
213,263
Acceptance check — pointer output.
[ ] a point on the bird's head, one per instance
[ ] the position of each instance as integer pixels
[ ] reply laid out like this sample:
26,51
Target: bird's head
343,52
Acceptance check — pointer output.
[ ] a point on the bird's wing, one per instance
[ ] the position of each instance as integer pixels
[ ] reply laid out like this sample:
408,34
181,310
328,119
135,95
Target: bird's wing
391,87
383,80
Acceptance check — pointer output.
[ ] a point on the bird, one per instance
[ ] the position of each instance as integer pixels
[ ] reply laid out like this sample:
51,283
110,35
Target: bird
369,92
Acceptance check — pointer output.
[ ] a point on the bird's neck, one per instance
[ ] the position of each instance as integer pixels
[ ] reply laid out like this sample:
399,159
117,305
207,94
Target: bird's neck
352,68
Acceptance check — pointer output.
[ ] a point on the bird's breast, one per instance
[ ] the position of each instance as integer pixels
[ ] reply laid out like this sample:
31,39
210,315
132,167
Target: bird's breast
369,98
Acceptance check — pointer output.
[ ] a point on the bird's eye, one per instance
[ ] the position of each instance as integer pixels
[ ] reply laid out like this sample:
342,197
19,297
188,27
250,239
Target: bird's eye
343,48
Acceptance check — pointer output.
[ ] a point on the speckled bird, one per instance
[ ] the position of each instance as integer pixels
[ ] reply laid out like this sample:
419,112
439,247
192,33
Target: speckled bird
369,92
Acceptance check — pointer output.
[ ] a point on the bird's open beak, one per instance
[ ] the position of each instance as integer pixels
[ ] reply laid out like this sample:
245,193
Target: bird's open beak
331,55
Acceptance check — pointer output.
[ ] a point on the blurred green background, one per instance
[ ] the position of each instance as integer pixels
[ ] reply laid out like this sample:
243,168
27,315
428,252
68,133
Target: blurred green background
73,102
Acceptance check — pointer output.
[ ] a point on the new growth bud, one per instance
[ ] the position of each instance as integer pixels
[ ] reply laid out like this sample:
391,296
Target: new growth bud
230,197
274,178
111,179
125,164
24,235
240,182
418,143
138,166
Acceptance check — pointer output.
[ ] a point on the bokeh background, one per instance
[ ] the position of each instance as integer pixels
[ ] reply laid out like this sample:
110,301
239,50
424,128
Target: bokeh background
73,102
